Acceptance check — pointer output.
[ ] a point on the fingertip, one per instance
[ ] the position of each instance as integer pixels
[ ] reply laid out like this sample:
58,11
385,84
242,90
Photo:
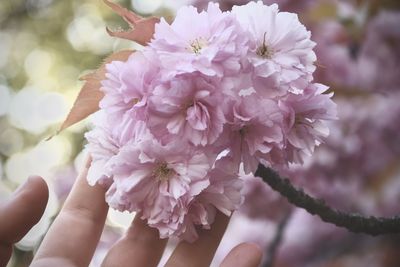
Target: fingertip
254,252
141,244
36,179
36,193
38,185
24,209
243,255
202,251
251,246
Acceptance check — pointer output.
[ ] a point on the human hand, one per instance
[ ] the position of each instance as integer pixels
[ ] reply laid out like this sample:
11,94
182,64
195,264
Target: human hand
73,237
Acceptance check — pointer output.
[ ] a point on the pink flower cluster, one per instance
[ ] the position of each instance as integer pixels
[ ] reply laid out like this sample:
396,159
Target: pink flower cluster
213,90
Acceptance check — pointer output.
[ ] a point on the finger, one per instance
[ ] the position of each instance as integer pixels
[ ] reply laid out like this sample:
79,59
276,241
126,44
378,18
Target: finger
77,229
243,255
24,210
140,245
201,252
21,213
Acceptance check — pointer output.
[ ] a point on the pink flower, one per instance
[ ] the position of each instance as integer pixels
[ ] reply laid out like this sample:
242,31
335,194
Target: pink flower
305,120
293,6
158,181
280,48
211,42
224,191
223,194
254,129
187,108
102,147
213,91
126,91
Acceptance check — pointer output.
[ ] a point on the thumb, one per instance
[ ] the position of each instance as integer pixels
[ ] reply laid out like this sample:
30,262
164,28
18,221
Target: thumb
21,213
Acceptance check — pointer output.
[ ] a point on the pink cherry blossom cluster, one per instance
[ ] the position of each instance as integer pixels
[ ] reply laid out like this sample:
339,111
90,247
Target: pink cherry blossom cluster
212,90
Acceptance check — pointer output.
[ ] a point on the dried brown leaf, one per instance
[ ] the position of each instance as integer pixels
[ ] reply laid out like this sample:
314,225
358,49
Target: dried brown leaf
141,29
90,95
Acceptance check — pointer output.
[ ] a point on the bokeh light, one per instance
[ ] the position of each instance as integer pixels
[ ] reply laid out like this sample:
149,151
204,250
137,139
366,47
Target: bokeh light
11,141
146,7
44,109
39,160
86,31
5,97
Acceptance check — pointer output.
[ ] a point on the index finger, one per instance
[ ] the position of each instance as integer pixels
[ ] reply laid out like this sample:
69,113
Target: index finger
74,234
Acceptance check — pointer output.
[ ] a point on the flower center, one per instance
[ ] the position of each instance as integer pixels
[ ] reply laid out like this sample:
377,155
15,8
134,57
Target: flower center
264,50
243,130
300,120
135,101
187,105
162,172
197,45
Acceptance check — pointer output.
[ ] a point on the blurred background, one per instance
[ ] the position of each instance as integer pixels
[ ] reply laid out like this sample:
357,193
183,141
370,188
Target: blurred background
46,45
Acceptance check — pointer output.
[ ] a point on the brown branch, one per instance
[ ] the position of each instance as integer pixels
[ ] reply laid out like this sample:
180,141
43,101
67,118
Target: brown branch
353,222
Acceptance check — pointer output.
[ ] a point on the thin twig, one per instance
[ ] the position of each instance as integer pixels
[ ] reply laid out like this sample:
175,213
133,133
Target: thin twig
353,222
273,247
